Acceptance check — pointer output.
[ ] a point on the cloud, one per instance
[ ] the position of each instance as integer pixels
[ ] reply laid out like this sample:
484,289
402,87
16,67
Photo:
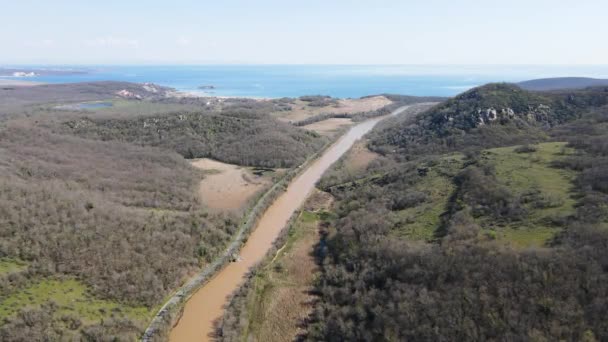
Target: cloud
111,41
183,41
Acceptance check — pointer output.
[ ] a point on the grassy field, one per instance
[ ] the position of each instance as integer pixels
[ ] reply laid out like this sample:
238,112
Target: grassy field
531,174
544,191
329,127
72,298
526,175
420,222
69,309
8,266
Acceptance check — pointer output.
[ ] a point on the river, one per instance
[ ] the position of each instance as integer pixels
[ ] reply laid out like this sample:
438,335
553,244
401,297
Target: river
207,304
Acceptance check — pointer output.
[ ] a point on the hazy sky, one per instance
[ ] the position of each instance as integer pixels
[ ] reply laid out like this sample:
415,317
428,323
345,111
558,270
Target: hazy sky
304,31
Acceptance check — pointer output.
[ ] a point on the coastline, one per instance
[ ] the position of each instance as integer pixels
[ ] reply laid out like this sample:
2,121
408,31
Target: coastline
276,81
18,83
201,94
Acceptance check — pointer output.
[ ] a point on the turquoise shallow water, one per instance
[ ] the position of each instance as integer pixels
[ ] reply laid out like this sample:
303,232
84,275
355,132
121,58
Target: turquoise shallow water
334,80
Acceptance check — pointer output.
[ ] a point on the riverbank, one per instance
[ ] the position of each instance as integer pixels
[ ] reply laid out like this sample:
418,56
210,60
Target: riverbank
277,297
206,305
166,314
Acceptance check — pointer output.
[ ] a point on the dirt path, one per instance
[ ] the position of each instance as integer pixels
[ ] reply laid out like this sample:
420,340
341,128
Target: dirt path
206,305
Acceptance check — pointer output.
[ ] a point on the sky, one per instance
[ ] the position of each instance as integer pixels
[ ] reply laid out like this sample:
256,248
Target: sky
304,32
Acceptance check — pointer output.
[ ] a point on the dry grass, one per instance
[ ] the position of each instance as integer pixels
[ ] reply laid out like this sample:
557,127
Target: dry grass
283,301
359,157
301,110
329,126
227,187
288,300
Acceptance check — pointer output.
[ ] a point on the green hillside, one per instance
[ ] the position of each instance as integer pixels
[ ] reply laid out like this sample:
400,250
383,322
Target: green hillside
474,229
489,116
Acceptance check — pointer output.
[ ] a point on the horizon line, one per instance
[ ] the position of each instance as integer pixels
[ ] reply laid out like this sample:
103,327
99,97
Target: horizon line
4,65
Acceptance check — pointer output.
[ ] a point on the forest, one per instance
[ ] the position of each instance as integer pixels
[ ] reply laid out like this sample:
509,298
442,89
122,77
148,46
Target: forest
100,212
516,248
122,219
233,136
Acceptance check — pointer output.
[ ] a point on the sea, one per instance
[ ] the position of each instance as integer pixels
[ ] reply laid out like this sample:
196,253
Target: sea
345,81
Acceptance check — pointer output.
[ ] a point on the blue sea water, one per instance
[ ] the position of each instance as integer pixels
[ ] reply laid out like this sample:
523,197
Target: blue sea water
334,80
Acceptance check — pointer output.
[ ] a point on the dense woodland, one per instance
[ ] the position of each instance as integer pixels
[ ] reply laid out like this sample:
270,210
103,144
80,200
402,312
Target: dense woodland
107,198
235,135
462,282
124,219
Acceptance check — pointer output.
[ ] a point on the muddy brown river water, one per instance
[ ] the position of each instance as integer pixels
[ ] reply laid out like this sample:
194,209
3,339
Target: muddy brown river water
206,305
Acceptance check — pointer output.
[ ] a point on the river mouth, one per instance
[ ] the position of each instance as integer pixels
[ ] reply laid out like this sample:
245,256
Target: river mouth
207,304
